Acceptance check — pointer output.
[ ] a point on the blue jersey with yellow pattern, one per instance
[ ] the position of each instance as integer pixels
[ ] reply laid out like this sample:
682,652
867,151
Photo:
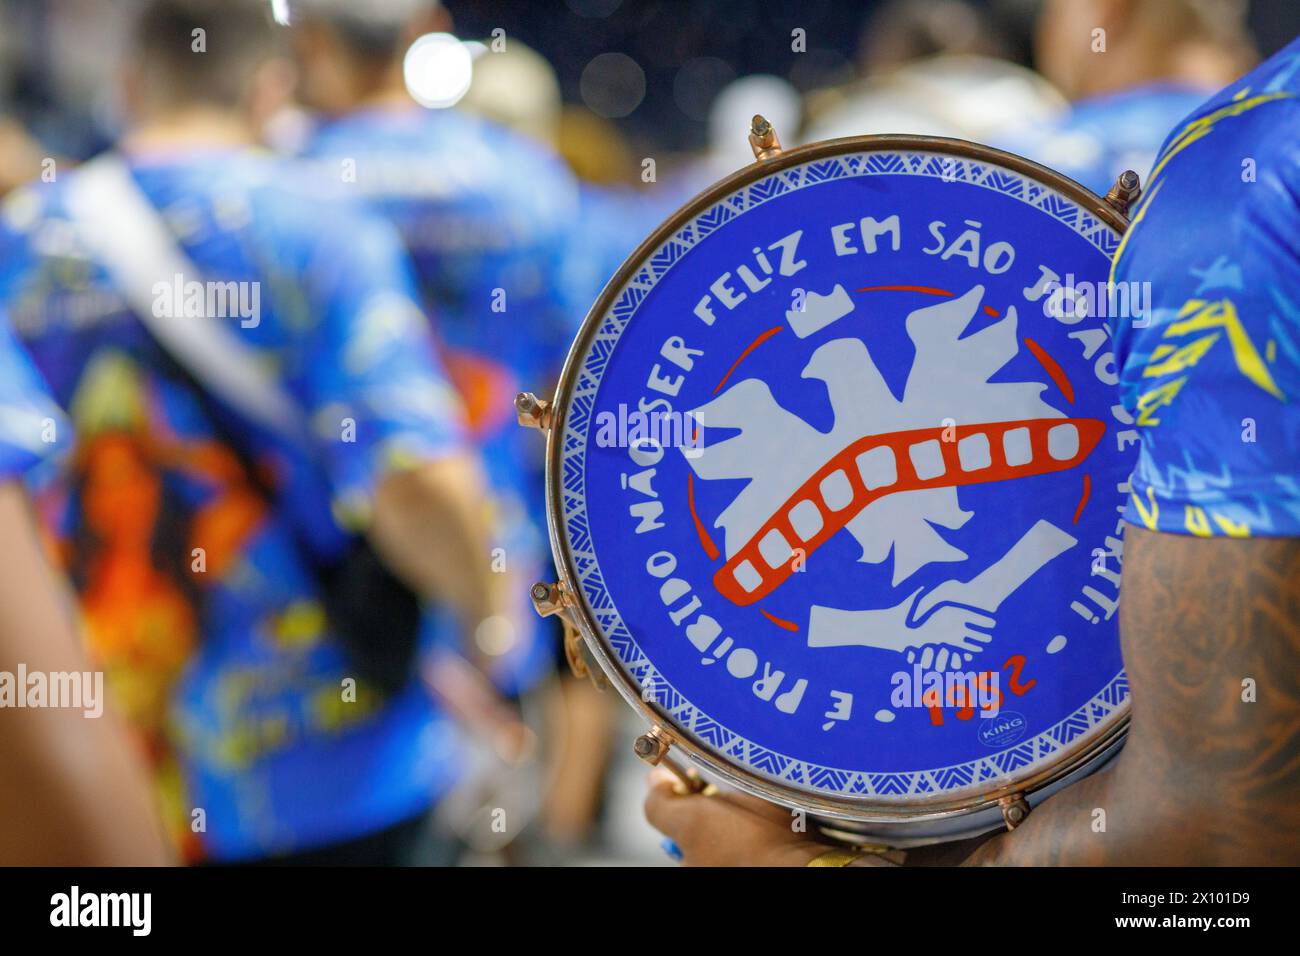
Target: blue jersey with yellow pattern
191,536
1211,371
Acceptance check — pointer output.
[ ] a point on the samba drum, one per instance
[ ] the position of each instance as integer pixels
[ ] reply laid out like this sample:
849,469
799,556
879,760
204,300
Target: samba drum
835,475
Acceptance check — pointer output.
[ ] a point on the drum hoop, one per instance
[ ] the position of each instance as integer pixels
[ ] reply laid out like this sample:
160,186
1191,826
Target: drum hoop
858,810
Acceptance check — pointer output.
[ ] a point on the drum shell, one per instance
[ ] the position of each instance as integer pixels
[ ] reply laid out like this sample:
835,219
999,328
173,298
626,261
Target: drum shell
897,823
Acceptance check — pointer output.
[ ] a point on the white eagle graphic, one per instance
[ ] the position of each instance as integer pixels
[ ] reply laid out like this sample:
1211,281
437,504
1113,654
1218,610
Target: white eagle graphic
948,384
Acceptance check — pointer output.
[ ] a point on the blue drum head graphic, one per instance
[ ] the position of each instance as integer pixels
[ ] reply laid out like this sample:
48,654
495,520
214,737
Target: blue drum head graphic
840,471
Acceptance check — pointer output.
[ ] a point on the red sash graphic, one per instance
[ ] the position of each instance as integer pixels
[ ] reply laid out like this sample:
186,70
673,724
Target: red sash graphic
748,576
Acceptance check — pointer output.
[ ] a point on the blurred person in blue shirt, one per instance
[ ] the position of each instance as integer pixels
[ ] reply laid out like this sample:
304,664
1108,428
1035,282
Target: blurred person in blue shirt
1132,69
196,537
511,250
488,216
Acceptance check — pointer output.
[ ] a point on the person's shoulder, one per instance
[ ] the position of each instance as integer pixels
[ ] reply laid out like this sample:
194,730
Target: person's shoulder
515,161
1154,108
1233,159
39,200
35,224
281,182
506,170
500,136
444,130
451,155
1232,171
1270,162
294,199
1256,106
1276,77
35,431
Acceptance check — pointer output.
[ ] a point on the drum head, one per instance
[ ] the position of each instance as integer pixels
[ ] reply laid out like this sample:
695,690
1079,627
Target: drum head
836,475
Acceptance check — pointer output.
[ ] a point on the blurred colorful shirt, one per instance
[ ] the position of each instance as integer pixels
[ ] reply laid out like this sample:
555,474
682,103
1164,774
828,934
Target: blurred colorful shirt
491,221
198,593
33,430
1099,138
1211,374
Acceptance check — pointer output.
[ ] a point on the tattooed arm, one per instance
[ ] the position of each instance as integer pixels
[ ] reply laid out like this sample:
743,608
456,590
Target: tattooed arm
1205,777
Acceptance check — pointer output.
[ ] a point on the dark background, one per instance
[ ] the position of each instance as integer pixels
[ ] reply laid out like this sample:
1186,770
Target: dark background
749,36
726,39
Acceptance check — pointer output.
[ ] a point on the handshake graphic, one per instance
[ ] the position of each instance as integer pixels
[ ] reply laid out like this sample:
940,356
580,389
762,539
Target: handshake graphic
950,623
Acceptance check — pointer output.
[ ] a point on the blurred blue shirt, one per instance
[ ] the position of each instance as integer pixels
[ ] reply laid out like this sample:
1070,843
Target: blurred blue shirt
33,430
222,658
510,254
1099,138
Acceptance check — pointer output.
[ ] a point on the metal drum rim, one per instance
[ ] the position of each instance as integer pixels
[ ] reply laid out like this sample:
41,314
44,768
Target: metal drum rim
915,810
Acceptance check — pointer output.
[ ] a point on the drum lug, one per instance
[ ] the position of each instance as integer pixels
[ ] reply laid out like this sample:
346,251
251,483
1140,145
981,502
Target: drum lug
763,139
554,599
548,599
533,412
1014,809
653,748
1125,192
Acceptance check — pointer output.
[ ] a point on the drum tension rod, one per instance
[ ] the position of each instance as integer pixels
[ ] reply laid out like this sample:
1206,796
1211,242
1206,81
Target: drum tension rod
533,412
553,599
1014,809
1126,191
763,139
653,749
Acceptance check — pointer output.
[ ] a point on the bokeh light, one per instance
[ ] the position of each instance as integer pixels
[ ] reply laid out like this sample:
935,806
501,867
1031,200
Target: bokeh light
438,70
612,85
